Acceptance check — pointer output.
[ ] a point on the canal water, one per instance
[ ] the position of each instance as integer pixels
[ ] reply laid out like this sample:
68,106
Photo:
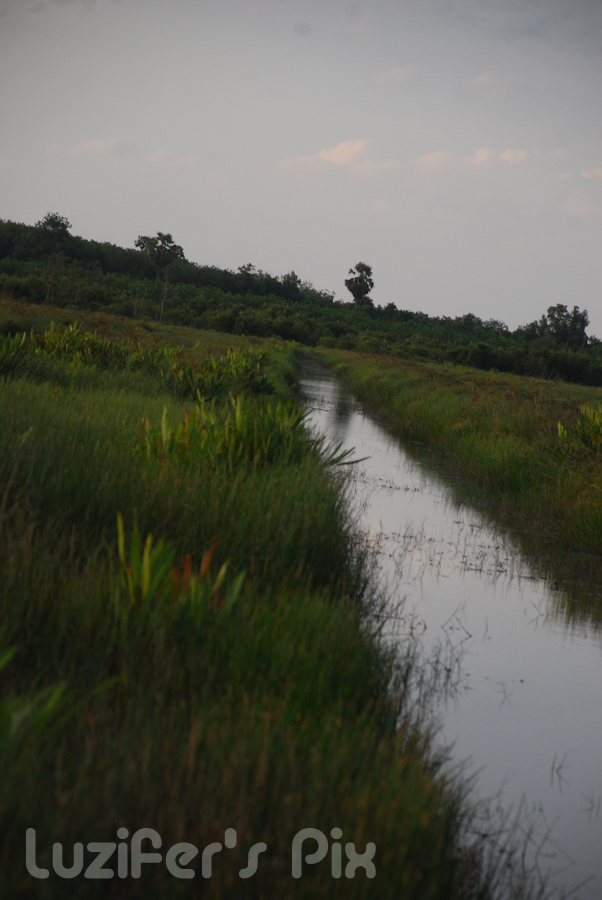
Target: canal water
526,713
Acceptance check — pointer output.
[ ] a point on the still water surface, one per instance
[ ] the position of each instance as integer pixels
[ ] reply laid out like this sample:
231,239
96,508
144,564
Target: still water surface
528,712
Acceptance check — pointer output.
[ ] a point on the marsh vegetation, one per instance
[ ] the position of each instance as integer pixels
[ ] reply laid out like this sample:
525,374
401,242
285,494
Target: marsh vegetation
184,630
519,644
500,433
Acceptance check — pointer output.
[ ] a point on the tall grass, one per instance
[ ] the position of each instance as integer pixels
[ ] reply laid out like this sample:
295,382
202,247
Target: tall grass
12,354
239,370
586,433
185,647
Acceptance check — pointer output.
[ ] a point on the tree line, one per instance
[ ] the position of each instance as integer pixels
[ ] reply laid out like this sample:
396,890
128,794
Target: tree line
45,263
51,236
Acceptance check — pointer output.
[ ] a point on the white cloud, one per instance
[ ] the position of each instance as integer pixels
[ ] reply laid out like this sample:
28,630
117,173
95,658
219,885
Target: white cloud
514,156
191,159
381,206
297,162
167,160
302,28
344,153
164,155
400,75
592,173
445,160
581,206
115,146
186,161
159,156
487,85
481,157
432,161
375,166
107,146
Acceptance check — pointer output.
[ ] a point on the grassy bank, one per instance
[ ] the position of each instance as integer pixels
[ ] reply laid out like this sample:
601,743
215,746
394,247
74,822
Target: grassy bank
500,432
183,640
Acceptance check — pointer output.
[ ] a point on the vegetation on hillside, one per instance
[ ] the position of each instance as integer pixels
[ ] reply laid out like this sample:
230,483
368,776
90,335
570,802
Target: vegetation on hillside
46,264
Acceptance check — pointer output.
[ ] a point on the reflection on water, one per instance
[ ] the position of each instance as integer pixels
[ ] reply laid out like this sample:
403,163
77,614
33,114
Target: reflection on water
529,714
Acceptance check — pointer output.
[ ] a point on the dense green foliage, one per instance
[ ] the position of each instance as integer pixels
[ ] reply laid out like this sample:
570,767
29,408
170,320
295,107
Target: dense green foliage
46,264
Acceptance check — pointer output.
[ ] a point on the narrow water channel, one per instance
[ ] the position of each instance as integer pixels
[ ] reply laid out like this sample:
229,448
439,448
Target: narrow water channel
527,714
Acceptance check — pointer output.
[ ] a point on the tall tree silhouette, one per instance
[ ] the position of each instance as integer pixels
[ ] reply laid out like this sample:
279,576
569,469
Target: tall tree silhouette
161,250
360,284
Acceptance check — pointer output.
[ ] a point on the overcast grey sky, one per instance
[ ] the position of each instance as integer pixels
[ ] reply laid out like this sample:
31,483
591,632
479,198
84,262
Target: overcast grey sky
454,145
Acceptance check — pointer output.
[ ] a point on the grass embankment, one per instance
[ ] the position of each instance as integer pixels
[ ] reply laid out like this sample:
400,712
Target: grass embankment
501,433
219,674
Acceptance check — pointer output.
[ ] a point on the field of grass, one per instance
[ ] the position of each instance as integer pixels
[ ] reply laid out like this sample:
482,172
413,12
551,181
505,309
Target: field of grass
501,434
184,640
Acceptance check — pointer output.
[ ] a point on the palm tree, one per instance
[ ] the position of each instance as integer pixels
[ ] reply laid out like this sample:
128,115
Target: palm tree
360,284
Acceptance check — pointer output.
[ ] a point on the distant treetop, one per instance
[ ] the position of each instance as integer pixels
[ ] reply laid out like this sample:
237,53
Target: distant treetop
55,223
161,250
360,284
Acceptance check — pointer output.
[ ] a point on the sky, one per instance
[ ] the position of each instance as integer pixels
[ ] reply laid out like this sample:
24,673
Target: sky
453,145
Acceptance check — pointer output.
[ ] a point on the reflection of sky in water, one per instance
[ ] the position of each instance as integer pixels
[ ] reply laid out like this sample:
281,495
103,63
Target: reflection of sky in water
529,712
